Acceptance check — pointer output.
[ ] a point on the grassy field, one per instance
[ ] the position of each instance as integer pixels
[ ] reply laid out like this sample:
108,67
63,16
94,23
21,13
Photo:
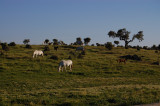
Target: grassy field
96,79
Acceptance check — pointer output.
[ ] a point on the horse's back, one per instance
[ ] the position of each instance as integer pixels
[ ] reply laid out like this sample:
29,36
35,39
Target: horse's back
38,52
66,62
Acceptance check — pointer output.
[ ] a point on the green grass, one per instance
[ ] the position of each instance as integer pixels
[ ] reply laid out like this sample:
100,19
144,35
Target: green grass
96,79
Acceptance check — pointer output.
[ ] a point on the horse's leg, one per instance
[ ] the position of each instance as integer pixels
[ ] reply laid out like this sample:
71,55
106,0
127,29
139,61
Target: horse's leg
59,69
70,67
62,68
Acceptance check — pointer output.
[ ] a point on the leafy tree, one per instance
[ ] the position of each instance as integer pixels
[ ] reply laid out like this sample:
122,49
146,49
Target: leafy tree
123,34
46,48
116,42
87,40
79,41
28,46
55,41
92,45
154,47
158,47
26,41
5,46
46,41
109,45
97,44
138,48
12,44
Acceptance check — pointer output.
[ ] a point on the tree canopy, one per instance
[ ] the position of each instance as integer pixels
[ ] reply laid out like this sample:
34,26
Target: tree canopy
124,35
87,40
26,41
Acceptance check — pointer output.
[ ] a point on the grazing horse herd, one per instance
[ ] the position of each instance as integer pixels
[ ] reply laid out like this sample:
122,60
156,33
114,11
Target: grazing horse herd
68,63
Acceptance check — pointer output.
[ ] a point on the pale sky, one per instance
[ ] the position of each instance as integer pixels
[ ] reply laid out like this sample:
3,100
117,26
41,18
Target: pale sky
66,20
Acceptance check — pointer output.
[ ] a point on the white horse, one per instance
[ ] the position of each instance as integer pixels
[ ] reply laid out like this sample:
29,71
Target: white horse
65,63
37,52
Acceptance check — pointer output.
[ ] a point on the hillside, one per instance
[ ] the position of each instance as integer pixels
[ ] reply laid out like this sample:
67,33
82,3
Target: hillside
96,79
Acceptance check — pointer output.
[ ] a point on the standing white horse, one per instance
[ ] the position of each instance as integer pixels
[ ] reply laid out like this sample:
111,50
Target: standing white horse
37,52
65,64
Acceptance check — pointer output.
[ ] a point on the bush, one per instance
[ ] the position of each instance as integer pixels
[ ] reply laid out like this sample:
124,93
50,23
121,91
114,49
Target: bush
145,47
156,63
5,46
28,46
46,48
156,51
72,53
69,57
132,57
80,56
109,45
138,48
98,44
83,53
54,57
12,44
1,53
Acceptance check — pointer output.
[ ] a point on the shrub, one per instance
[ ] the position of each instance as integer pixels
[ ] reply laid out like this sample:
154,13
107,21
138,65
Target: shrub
97,44
28,46
145,47
156,63
69,57
46,48
83,53
80,56
5,46
156,51
72,53
154,47
132,57
12,44
54,57
109,45
1,53
138,48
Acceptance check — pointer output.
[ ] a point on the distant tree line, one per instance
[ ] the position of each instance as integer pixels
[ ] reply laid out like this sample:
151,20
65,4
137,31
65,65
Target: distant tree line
121,34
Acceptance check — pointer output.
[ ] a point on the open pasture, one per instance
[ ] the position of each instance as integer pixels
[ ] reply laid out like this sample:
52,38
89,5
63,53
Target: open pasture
96,79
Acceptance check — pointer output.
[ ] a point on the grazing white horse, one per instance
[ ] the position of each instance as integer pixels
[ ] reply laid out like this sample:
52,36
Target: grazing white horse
37,52
65,64
80,49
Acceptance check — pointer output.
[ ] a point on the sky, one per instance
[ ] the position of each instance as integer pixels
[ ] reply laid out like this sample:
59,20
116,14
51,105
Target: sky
66,20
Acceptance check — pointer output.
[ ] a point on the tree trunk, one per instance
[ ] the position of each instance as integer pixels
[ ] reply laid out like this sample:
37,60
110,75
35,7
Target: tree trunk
126,44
